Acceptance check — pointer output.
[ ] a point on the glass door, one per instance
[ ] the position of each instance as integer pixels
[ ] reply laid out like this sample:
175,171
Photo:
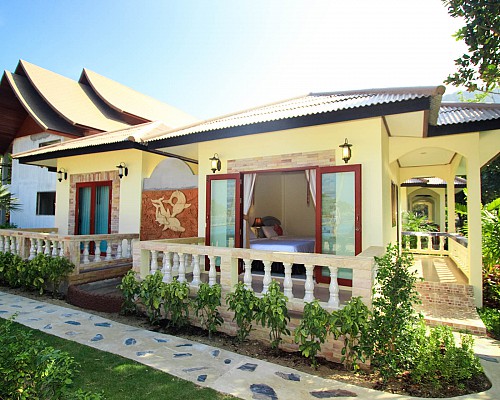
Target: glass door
338,217
93,204
223,228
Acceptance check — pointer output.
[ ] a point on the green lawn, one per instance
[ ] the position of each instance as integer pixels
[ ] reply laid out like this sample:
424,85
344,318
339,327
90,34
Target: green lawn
120,378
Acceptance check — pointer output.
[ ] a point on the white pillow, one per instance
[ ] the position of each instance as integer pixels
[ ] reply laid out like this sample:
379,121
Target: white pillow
269,231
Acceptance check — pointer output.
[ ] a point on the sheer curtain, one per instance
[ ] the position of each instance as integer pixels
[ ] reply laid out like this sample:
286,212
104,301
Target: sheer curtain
311,180
248,189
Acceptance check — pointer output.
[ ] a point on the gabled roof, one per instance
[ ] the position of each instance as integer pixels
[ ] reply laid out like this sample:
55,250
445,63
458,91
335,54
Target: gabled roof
75,102
126,100
459,113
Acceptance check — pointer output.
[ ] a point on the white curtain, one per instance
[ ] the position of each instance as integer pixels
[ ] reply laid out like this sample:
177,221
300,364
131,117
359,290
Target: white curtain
311,180
248,189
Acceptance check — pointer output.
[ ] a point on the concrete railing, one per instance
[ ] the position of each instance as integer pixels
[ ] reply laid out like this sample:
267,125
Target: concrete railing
186,260
79,249
439,243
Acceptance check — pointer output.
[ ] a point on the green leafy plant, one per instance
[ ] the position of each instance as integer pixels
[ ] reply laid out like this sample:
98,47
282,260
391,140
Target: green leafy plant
206,304
37,272
31,369
273,313
58,269
130,288
390,341
351,324
16,270
491,319
412,222
176,302
312,331
244,303
151,295
440,362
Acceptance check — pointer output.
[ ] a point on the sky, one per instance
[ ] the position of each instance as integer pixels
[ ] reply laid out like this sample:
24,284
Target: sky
210,58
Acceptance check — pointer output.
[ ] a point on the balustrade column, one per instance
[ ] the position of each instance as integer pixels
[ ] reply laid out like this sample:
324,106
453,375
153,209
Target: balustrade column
32,249
441,243
47,247
212,272
196,271
182,268
175,267
154,262
267,276
309,284
419,242
128,247
247,278
108,251
119,250
86,252
97,251
334,300
39,246
13,245
54,248
167,267
1,243
287,282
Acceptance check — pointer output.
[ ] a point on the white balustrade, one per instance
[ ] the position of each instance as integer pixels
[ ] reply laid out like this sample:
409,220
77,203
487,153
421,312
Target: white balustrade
309,284
267,276
154,262
109,257
86,252
212,272
196,271
182,268
287,282
334,300
32,249
247,278
167,267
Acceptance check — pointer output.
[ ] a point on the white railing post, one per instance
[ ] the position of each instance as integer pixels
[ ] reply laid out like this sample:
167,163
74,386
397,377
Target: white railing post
182,268
334,301
196,271
32,249
267,276
154,262
247,277
39,246
167,267
13,244
61,248
6,247
309,284
419,242
119,250
441,243
54,248
97,251
287,282
86,252
128,248
175,266
212,272
47,247
109,256
1,243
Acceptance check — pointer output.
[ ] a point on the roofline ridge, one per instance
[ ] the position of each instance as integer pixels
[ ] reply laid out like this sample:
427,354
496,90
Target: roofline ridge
470,104
432,91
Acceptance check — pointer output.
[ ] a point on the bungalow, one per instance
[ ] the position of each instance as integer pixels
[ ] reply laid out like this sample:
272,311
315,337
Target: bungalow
307,189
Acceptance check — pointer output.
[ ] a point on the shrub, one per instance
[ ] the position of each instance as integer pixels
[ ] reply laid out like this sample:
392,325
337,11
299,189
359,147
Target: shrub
37,273
312,331
151,295
30,369
206,306
491,318
390,341
244,303
440,362
16,270
58,269
130,288
176,302
273,313
351,323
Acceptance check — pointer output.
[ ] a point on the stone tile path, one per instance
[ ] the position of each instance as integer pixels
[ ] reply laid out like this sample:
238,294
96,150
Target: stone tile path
224,371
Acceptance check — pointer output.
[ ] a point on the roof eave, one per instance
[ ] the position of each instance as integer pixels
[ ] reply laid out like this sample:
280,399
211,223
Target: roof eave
466,127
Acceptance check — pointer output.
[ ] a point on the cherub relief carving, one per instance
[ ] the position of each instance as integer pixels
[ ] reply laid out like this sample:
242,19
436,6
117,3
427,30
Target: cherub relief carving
166,217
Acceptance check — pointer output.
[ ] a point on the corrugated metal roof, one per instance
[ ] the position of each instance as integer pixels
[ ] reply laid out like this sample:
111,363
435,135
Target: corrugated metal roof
75,102
314,103
459,113
125,99
133,134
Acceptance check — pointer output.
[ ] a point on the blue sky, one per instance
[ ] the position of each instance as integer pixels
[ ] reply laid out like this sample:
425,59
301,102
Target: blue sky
214,57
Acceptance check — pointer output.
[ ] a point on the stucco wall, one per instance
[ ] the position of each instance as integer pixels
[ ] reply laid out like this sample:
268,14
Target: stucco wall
365,136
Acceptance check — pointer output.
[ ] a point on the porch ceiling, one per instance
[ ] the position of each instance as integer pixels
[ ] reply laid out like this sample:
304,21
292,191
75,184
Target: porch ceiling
426,157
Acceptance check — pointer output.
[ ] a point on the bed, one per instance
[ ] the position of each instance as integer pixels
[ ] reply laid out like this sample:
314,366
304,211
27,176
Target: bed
270,238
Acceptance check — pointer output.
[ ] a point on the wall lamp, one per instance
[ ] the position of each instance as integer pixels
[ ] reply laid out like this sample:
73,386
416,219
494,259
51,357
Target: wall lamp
215,163
122,170
62,174
346,151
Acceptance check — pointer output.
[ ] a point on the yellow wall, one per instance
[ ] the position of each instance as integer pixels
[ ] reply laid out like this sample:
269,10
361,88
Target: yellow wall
365,136
140,165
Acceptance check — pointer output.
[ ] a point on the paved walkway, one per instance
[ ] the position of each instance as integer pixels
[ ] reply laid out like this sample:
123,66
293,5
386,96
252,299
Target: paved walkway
222,370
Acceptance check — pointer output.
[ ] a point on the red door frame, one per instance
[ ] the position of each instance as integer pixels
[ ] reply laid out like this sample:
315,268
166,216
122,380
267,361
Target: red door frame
356,168
93,186
238,239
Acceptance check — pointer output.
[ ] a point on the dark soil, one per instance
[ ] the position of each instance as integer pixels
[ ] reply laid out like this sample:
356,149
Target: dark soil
262,351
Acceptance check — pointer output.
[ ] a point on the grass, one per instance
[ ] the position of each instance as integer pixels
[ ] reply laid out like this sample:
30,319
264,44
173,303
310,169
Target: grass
121,378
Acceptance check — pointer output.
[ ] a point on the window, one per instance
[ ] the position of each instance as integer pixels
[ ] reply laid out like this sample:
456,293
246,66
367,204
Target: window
46,203
50,142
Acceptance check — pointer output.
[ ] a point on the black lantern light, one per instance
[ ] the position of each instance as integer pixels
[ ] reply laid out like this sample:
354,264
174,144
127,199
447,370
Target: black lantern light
215,163
122,170
62,174
346,151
